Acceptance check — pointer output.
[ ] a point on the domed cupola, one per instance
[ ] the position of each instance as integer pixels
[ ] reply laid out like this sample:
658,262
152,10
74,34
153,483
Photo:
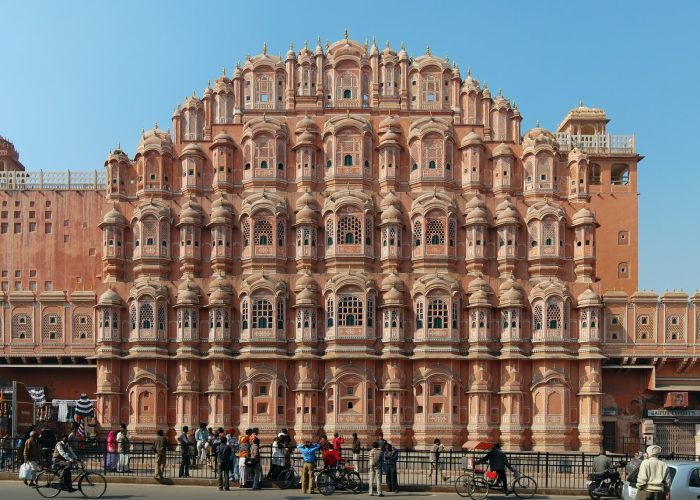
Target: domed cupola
584,225
306,227
187,310
506,222
391,225
221,224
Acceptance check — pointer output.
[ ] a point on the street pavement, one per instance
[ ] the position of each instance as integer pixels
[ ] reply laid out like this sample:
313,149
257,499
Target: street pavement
15,490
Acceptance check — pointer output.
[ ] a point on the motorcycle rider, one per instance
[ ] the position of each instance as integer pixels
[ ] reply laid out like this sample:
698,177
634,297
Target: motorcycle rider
602,463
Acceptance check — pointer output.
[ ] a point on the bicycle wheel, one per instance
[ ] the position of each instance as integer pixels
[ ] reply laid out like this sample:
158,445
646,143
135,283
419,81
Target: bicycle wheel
462,485
478,488
48,484
353,482
325,483
286,478
524,487
92,485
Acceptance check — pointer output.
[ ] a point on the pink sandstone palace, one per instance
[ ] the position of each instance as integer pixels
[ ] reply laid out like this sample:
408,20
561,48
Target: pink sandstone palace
350,239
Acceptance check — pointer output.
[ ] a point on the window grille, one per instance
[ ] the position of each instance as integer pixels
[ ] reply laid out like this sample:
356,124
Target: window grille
329,311
263,233
370,312
452,233
437,313
349,230
161,318
417,233
435,232
52,326
21,327
244,314
537,317
146,316
246,232
329,231
280,314
132,317
262,313
82,327
419,314
350,311
280,233
554,315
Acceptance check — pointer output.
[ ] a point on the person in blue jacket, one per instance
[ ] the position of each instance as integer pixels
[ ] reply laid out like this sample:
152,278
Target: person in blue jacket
308,453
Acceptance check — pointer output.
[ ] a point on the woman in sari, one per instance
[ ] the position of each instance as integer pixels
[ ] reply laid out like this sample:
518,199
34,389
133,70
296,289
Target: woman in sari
111,455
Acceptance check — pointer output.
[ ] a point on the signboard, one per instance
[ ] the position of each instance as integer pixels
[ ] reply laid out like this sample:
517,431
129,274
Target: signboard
673,413
676,400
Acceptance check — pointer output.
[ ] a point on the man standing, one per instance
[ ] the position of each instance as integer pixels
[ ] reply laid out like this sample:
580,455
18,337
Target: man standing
223,451
308,453
653,481
184,443
375,469
244,443
32,454
356,450
391,457
160,446
202,436
124,446
435,465
498,462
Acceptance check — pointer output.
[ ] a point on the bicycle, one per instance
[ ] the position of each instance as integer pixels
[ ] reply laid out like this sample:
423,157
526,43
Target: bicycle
287,478
476,483
49,482
339,477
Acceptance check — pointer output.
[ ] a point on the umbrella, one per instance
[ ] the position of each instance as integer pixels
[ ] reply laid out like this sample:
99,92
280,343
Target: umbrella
477,445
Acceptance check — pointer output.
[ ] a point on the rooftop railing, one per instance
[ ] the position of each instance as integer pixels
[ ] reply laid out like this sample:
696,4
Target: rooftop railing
92,180
599,143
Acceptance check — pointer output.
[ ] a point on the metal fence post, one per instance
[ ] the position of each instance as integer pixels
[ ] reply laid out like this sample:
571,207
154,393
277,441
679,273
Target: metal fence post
546,469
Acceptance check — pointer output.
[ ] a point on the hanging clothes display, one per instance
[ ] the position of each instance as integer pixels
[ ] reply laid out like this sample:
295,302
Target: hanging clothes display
37,394
62,412
84,406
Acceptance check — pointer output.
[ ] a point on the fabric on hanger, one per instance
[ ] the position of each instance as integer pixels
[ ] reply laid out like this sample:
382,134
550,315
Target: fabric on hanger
84,406
62,412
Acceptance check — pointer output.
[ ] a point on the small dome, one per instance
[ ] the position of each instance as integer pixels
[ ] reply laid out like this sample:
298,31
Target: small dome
306,198
388,122
155,140
470,84
117,155
478,283
306,280
479,298
390,199
506,213
114,217
471,139
192,150
391,214
511,297
476,212
306,215
191,214
403,55
306,138
502,150
306,123
109,298
223,139
583,217
393,297
589,299
306,298
187,293
193,102
392,281
538,137
221,211
389,137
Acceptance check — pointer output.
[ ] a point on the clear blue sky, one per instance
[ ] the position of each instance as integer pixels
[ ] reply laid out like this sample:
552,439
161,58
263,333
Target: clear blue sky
78,77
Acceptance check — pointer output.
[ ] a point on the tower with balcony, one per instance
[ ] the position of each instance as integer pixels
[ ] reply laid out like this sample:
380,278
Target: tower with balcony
389,148
433,219
189,225
476,227
221,230
431,153
306,231
584,224
540,164
347,147
391,231
348,217
263,223
546,226
113,225
507,224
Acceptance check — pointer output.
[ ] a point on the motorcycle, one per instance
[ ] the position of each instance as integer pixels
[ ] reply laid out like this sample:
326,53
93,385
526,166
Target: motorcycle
607,484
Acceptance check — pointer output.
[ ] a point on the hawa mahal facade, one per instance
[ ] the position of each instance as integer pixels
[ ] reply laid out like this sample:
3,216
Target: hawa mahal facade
347,239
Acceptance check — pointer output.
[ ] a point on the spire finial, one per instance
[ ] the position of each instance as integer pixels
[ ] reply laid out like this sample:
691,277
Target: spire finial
318,40
223,71
291,45
306,45
403,46
264,48
387,44
427,50
238,64
447,59
194,93
328,45
580,103
209,81
469,71
537,124
366,44
119,146
500,93
345,34
155,125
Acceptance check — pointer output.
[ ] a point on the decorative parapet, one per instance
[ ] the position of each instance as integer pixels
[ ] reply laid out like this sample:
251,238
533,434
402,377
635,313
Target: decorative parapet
92,180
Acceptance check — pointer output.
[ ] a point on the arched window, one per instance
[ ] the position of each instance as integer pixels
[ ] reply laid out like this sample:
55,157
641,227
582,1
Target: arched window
244,314
263,164
417,233
437,313
537,317
329,232
349,230
431,165
146,316
620,175
263,232
347,161
350,311
329,311
419,314
554,314
262,313
347,94
435,232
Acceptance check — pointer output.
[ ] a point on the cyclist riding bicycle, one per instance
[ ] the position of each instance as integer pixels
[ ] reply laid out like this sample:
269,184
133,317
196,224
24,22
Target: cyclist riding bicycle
63,458
498,462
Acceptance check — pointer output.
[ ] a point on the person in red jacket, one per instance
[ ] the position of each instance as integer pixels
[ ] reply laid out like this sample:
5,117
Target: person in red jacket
337,441
330,456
